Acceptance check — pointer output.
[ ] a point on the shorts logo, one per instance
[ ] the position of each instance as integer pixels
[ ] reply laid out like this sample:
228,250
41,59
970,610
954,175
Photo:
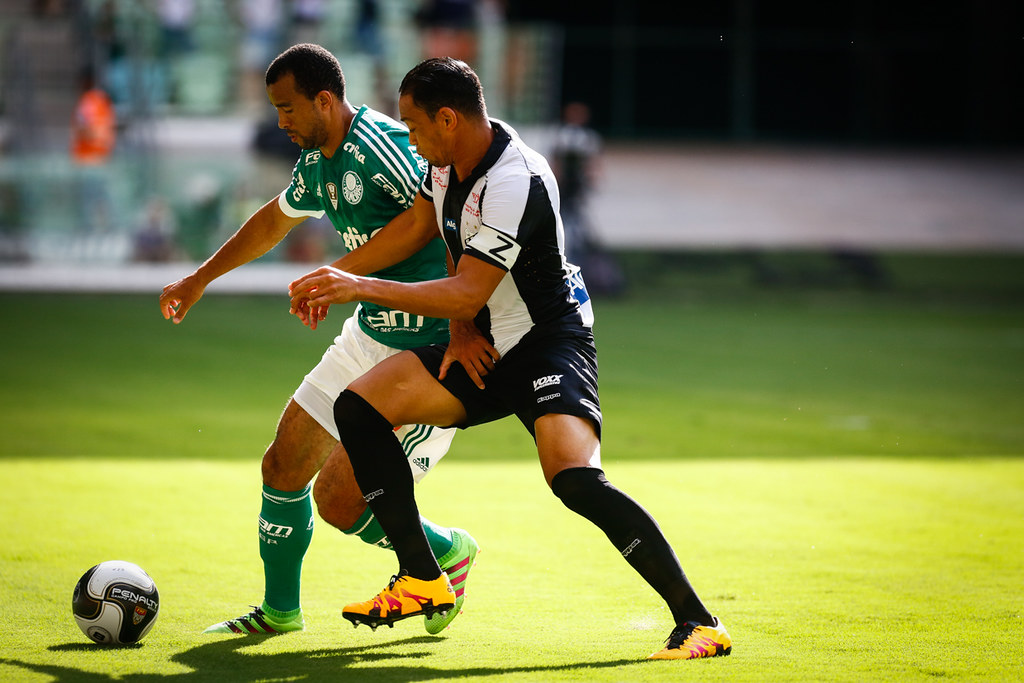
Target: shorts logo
542,382
370,496
631,547
332,192
449,224
351,187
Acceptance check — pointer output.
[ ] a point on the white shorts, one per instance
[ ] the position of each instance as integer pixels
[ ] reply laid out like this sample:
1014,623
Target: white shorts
352,354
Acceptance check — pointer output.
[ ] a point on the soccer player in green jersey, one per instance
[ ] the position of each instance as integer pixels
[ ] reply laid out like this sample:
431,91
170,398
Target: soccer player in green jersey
356,167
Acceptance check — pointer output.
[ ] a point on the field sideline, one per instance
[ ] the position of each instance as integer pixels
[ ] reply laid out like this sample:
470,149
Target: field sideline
839,471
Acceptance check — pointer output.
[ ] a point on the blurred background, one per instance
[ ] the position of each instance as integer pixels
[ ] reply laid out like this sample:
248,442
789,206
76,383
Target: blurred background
135,135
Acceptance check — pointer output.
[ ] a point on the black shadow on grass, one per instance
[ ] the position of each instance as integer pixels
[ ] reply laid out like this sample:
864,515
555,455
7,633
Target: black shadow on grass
221,660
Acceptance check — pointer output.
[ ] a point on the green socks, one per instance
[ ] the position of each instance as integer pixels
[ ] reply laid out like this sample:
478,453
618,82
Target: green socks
286,528
368,529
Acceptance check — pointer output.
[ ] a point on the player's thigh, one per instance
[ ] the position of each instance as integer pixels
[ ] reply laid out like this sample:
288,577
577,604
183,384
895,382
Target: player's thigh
299,449
564,442
404,392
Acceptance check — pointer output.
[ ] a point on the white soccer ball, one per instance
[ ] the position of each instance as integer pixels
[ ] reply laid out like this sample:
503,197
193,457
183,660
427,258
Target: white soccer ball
115,603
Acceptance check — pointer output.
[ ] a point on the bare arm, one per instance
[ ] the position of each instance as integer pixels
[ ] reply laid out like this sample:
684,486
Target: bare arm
258,235
403,236
458,297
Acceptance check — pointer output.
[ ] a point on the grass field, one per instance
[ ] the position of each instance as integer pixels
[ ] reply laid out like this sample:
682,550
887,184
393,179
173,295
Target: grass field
840,472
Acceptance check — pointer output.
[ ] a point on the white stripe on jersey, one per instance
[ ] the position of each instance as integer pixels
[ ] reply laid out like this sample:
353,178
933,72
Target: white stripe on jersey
288,210
389,154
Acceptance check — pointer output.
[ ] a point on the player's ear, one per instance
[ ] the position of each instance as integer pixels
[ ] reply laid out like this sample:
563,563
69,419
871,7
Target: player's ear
324,99
447,117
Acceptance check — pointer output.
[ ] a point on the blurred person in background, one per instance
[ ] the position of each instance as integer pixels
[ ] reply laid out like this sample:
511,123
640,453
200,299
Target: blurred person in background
261,22
93,137
449,28
575,161
356,167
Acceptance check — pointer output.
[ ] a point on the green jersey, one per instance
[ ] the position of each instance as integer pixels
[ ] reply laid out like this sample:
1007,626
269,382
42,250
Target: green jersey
372,177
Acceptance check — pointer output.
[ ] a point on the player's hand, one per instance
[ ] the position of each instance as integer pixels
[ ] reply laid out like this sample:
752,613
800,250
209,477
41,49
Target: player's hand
178,297
310,317
469,348
321,288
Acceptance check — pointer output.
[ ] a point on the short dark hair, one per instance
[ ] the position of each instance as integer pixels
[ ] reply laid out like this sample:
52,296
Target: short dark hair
313,67
444,82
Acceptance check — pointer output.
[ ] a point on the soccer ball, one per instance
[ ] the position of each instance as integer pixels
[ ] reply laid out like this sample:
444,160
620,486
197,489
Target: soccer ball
115,603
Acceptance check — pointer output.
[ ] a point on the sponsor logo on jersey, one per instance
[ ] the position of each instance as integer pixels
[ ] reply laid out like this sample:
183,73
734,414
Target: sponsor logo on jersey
422,463
351,187
548,381
353,238
388,187
353,149
393,321
300,187
312,157
332,193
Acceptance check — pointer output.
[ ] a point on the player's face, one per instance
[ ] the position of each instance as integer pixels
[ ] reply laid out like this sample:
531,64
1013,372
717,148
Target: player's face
297,115
424,134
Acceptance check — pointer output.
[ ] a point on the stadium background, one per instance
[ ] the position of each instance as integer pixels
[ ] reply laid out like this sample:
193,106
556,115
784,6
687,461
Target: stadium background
741,126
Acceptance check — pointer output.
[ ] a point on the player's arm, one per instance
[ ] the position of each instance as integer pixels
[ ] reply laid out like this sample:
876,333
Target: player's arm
459,297
258,235
403,236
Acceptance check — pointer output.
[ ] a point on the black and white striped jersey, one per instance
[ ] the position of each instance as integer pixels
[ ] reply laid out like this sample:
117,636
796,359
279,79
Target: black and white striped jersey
506,213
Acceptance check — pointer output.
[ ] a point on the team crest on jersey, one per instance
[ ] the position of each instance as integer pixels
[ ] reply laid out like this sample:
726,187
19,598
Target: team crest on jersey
332,193
351,187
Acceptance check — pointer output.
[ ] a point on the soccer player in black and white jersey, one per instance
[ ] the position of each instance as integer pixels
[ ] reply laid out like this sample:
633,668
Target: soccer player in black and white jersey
495,203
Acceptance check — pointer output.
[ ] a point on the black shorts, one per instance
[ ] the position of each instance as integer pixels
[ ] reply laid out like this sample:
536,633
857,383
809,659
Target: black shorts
554,373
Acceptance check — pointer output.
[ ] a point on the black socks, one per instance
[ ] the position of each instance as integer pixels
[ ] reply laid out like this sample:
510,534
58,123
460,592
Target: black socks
635,534
383,475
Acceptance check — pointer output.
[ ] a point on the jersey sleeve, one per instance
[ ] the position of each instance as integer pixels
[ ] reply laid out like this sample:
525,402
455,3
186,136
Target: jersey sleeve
507,220
298,200
396,169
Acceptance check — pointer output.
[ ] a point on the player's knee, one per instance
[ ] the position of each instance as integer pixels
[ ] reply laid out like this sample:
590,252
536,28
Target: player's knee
579,487
353,413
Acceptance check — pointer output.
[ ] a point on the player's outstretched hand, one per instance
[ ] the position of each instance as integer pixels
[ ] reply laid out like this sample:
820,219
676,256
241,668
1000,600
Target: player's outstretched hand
469,348
179,296
319,289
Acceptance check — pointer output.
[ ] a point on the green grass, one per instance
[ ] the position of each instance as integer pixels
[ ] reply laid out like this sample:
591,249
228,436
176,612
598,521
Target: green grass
839,471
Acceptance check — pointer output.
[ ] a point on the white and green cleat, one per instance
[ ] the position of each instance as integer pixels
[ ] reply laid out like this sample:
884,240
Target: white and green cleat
456,564
261,620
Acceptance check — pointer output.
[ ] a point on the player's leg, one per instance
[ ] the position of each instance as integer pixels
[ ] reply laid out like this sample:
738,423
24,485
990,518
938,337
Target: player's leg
397,391
285,523
424,446
569,452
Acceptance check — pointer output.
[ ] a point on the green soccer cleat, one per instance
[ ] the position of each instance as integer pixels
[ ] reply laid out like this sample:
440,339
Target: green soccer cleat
259,622
456,564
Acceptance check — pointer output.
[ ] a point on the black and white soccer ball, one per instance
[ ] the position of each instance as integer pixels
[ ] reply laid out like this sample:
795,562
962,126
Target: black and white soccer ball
115,603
